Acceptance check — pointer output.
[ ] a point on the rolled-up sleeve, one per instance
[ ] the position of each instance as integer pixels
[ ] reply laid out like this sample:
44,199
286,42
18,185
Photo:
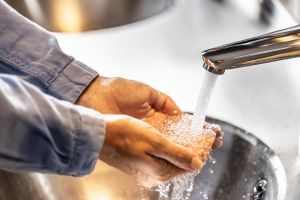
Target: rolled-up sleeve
33,54
42,134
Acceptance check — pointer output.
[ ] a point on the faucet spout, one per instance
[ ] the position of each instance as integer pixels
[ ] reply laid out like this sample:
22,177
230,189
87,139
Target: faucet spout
278,45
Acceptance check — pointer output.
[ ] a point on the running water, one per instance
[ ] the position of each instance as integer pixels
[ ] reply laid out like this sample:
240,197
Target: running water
208,84
183,185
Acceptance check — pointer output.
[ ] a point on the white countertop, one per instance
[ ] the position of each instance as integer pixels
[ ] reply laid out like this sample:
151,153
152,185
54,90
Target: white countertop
165,52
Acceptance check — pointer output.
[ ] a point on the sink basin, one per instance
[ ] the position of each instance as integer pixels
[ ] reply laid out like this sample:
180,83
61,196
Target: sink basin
77,16
243,166
245,169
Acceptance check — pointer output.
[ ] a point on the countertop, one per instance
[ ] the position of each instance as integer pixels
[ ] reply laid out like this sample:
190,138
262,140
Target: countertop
165,52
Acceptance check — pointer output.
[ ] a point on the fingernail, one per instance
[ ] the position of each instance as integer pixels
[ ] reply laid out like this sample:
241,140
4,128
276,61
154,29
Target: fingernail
196,163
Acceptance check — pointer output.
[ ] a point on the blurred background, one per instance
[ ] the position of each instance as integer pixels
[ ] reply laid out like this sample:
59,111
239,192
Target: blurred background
294,7
81,15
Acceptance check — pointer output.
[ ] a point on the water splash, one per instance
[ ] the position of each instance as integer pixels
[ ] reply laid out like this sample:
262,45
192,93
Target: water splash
259,190
184,184
163,190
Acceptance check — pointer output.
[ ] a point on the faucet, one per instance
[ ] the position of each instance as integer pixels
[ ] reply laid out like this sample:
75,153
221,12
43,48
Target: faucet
278,45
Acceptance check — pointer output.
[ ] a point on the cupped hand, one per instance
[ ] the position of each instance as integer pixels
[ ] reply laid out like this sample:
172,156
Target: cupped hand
122,96
136,99
134,146
181,125
140,150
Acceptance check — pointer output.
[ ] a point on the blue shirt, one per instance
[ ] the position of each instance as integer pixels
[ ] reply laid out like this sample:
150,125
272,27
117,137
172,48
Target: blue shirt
41,130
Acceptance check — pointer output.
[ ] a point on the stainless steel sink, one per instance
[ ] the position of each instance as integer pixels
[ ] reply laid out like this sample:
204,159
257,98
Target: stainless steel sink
84,15
244,167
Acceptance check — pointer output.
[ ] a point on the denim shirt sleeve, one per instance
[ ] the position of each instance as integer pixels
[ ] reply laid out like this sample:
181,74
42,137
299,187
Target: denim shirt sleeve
33,54
42,134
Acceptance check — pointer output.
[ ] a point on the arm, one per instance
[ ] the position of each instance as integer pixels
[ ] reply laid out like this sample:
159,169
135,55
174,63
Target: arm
39,133
33,54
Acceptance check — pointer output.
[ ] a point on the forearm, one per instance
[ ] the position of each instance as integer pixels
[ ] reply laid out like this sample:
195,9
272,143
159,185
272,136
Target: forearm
33,54
41,134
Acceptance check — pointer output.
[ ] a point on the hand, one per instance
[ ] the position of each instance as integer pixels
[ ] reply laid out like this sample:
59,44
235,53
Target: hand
122,96
140,150
181,124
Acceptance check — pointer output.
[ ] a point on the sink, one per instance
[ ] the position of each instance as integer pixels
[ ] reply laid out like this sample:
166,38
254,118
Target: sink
245,168
78,16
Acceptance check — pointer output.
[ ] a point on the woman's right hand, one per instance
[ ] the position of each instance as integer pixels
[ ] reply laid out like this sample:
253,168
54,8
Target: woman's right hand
138,149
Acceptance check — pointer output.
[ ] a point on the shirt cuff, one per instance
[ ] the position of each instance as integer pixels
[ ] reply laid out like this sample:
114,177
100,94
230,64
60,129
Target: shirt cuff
72,81
88,142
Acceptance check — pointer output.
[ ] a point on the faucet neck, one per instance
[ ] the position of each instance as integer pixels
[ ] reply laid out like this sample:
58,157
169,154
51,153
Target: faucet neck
278,45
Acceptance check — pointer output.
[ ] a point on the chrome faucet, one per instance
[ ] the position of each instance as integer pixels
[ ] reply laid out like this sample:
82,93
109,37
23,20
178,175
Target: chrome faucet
278,45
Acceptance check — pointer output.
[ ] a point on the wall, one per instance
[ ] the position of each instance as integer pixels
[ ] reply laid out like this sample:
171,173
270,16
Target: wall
294,7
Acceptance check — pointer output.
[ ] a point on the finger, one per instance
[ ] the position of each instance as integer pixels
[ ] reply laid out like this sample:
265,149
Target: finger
214,127
177,155
218,143
163,103
206,125
166,170
220,134
217,129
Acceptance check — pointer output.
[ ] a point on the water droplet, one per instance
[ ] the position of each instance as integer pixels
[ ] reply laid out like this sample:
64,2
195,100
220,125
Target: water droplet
211,160
259,190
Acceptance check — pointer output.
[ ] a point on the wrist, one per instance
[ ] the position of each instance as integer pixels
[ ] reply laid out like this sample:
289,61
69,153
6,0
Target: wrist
86,96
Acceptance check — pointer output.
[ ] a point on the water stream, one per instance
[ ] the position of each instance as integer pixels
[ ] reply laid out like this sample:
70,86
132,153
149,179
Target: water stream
206,88
183,185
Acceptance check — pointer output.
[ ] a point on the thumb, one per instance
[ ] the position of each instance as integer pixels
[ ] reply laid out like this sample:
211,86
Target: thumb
163,103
